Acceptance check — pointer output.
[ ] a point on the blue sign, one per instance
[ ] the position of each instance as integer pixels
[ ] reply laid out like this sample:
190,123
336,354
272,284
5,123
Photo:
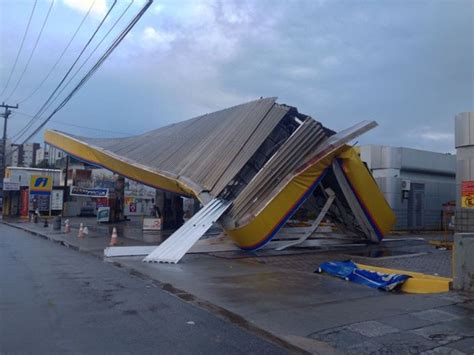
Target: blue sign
96,192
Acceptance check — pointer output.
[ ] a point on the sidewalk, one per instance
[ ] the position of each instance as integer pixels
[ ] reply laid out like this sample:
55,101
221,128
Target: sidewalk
280,295
307,309
130,234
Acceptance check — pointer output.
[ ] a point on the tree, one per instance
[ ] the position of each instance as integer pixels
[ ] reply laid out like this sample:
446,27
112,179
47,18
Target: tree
43,164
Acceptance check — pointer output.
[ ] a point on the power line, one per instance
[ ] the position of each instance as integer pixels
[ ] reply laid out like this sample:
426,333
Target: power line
91,72
109,51
32,51
20,48
42,109
75,125
90,55
61,55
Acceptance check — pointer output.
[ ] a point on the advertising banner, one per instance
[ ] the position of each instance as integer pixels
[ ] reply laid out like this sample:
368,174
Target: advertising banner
57,200
39,202
467,194
152,224
95,192
103,214
101,202
11,185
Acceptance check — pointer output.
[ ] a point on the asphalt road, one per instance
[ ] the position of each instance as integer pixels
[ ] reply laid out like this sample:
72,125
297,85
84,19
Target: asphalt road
57,300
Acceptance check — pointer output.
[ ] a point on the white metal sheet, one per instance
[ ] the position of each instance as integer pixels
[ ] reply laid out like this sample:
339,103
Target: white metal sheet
174,248
112,252
354,203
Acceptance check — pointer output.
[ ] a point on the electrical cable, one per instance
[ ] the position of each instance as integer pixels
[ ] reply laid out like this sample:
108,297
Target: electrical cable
33,92
20,49
32,51
75,125
109,51
90,55
42,109
93,69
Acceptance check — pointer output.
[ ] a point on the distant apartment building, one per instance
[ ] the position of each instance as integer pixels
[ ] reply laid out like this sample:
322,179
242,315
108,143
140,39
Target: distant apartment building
41,154
16,154
8,151
24,155
8,159
29,154
53,155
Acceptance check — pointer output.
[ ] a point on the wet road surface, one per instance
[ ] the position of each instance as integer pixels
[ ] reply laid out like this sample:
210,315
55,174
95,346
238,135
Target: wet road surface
57,300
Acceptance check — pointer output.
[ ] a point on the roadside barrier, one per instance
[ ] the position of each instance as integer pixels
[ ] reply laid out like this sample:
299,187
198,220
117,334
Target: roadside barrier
81,231
113,237
67,226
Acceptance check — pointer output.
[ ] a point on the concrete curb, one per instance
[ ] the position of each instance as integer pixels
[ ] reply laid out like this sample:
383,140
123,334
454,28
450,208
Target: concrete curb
44,236
214,309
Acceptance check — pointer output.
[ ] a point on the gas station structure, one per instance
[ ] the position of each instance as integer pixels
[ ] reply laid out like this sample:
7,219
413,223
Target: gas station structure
251,166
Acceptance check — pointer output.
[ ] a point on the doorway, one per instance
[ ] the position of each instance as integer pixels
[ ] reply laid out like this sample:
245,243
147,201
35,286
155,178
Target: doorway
416,207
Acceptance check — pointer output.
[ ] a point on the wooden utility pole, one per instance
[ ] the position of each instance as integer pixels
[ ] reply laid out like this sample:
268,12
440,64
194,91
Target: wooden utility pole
4,143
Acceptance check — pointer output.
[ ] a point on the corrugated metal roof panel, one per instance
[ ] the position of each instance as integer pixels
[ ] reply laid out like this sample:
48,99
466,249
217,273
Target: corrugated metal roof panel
177,244
207,150
290,156
252,144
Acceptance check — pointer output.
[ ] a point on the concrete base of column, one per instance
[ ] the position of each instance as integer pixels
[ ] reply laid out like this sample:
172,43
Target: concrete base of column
463,262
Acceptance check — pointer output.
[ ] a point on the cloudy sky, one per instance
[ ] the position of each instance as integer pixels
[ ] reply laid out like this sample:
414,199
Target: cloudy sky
407,64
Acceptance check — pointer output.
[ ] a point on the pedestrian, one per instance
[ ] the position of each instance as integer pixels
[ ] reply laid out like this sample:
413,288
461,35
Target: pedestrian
187,215
155,210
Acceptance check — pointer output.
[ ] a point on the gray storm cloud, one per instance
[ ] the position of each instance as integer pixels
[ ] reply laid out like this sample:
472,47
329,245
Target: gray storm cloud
408,65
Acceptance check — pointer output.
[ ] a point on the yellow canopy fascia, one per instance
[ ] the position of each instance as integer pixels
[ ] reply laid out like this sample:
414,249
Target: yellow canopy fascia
107,160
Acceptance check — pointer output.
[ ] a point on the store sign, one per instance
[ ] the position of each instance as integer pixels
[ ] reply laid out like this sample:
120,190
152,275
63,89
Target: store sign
152,224
103,214
101,202
11,185
467,194
57,200
40,202
41,185
98,192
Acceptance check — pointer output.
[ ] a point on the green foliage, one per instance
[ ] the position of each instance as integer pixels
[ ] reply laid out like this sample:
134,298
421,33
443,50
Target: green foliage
43,164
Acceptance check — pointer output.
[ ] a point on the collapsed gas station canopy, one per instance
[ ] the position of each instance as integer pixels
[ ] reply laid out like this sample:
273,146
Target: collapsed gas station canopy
261,160
200,154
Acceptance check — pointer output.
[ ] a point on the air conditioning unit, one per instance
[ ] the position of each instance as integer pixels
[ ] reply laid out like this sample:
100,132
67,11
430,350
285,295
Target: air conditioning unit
406,185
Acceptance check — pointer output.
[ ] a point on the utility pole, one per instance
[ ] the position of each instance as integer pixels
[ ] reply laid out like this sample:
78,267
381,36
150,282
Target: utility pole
4,143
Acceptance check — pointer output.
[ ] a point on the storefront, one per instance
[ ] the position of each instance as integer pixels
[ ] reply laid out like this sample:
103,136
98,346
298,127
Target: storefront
31,190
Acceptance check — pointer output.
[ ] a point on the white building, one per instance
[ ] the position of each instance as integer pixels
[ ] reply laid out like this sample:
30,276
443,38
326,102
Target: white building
41,154
24,155
53,154
416,183
8,150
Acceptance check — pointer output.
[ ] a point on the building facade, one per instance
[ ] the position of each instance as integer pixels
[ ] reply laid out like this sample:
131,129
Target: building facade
7,156
24,155
416,183
53,154
25,195
41,155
